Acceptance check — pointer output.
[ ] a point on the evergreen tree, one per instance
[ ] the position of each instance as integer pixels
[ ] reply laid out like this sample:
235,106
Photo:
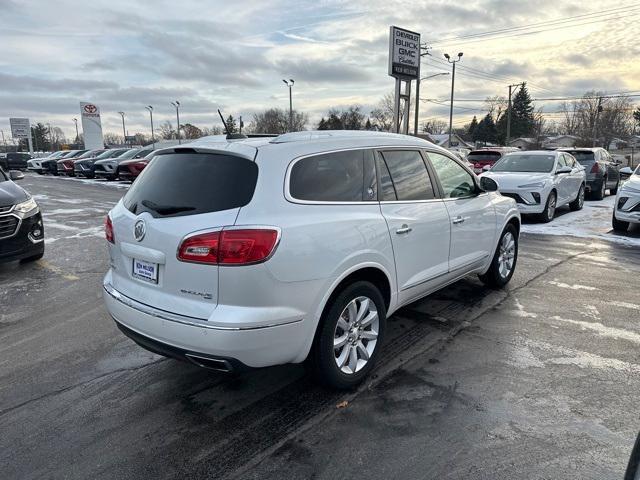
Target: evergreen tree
232,125
322,125
367,125
472,128
486,130
522,120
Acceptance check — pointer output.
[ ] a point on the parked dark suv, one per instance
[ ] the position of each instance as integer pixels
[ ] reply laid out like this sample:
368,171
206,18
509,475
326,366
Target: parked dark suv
21,230
14,160
602,170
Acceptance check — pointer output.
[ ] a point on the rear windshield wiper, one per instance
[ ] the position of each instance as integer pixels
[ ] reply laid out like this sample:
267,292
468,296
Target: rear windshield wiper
165,209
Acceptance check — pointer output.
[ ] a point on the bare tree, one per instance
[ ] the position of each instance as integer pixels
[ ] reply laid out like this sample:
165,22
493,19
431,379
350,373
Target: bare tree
111,138
190,132
215,130
382,115
434,125
276,121
166,130
496,105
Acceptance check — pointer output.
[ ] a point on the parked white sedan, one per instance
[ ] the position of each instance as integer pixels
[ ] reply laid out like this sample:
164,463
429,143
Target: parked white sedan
540,181
627,207
257,252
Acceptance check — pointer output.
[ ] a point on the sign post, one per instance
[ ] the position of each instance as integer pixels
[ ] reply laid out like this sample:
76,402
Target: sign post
21,128
404,66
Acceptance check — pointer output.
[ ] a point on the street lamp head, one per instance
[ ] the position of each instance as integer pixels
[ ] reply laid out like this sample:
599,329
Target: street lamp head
446,55
177,102
459,54
121,113
149,107
285,82
291,80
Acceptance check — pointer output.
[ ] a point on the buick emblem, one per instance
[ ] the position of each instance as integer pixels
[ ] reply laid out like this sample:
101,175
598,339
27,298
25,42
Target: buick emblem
139,230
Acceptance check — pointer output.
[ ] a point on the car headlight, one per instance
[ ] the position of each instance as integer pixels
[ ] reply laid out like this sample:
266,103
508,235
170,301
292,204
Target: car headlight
533,185
26,207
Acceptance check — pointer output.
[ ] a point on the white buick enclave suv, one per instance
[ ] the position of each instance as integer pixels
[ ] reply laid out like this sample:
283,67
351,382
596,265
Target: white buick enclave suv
257,252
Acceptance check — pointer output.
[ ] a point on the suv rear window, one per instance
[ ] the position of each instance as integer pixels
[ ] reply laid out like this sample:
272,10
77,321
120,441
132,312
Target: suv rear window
332,177
484,156
584,156
179,184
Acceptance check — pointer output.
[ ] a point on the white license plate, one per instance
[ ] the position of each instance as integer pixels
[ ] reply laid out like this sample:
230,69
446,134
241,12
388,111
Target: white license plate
145,270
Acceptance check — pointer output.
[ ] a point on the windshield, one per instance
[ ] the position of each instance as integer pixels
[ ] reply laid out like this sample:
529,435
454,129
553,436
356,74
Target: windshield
129,154
109,154
483,156
520,162
192,183
582,156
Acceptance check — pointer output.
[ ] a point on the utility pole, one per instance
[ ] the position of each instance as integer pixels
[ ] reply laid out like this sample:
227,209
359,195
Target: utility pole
509,113
595,122
453,82
153,138
418,80
124,133
177,105
290,85
4,142
75,120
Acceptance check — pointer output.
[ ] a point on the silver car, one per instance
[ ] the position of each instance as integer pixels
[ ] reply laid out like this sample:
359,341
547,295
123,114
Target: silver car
540,181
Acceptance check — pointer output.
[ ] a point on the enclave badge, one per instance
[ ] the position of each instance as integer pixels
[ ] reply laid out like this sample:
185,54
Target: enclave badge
139,230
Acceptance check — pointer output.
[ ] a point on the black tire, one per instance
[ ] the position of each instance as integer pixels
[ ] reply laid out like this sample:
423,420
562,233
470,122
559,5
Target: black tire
614,190
322,358
493,277
619,225
578,203
601,193
549,212
33,258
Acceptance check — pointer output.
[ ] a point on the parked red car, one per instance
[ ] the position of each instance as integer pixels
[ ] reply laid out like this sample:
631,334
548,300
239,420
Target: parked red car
487,156
130,169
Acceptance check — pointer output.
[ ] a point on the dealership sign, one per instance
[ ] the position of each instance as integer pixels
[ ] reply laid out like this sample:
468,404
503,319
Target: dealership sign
20,127
404,53
91,126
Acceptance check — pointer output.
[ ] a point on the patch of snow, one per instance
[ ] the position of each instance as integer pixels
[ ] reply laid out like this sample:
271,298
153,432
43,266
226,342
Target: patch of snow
520,312
593,221
631,306
602,330
591,311
572,287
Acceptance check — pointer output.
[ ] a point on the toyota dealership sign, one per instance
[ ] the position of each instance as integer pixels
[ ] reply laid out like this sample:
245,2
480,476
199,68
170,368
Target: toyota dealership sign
91,126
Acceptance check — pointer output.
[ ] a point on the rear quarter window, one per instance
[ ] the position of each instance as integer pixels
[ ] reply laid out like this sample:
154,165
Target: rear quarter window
180,184
334,177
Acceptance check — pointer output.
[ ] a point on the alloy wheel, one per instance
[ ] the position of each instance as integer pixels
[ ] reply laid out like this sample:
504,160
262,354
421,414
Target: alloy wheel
551,207
507,254
581,197
356,335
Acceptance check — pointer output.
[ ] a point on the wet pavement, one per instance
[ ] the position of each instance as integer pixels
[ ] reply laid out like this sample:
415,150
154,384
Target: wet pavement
537,381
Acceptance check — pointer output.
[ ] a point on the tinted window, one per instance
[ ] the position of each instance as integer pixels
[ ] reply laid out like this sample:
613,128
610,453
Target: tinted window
521,162
409,175
584,156
483,156
562,162
192,183
331,177
455,180
387,191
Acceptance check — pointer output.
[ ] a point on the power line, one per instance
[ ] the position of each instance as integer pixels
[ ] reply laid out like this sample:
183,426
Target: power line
576,20
553,99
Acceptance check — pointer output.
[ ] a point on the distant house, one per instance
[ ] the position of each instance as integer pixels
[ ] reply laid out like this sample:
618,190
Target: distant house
634,141
618,144
442,140
523,143
561,141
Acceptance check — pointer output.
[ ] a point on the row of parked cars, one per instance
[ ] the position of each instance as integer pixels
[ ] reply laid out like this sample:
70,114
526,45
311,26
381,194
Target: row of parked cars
111,164
542,181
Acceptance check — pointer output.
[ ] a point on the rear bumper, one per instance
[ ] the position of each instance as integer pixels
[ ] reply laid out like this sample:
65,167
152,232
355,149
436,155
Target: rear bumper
594,185
185,337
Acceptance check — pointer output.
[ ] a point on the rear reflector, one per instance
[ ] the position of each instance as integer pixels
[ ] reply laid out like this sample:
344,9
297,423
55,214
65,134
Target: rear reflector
229,247
595,168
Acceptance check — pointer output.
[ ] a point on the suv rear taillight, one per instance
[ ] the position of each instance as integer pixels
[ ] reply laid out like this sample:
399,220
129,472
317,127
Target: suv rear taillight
108,230
229,247
595,168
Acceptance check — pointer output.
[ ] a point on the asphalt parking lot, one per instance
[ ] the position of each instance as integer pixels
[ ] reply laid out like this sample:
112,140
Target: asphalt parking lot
537,381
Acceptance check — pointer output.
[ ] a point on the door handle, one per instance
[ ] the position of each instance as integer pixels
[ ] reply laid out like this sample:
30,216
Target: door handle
404,229
458,220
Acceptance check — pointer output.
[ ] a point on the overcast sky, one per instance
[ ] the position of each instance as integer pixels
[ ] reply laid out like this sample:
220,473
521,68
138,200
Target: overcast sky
124,55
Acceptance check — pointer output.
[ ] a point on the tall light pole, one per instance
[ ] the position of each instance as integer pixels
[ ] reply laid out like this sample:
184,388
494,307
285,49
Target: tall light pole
453,81
415,129
506,143
177,105
75,120
124,132
290,84
153,138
